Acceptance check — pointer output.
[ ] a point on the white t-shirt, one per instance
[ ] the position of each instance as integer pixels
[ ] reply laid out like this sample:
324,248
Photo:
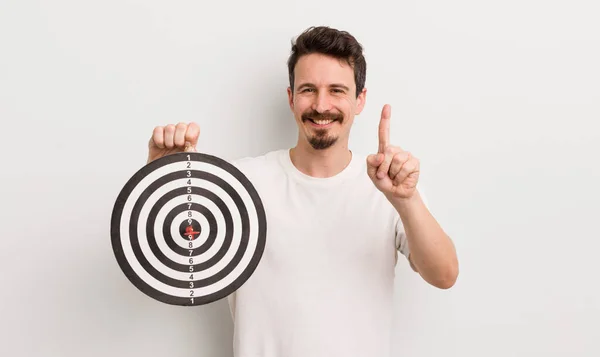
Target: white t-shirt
324,286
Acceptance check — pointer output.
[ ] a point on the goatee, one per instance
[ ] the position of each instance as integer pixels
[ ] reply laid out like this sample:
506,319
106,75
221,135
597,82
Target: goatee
322,141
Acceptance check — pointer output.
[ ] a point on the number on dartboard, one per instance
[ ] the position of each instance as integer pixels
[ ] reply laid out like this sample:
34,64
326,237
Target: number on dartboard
191,236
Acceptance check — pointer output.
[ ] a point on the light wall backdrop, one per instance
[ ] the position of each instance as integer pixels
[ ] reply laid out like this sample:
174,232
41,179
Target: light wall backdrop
500,100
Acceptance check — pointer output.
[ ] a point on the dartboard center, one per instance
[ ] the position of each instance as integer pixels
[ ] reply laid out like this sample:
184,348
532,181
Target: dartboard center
190,229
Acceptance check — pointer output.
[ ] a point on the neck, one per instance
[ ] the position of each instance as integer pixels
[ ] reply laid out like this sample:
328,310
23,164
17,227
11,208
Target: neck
320,163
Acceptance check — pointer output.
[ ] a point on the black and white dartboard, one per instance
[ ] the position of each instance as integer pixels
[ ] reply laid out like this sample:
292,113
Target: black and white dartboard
188,229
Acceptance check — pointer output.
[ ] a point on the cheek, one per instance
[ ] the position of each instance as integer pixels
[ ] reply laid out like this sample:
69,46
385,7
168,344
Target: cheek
301,105
346,106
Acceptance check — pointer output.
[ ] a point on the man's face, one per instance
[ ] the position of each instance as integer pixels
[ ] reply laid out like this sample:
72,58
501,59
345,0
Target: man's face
324,100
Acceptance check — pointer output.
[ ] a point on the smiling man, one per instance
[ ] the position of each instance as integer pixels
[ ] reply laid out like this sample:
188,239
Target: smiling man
337,219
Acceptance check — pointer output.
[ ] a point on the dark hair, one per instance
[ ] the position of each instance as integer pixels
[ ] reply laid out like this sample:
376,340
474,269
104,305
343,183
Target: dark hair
331,42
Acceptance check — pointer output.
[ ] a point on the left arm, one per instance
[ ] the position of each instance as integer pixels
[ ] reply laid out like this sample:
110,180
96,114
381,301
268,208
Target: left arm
432,253
395,172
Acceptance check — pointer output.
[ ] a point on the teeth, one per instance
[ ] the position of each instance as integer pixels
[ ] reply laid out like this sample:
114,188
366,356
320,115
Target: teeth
322,122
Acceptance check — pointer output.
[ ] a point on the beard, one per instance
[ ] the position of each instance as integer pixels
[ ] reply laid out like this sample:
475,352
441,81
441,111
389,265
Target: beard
321,139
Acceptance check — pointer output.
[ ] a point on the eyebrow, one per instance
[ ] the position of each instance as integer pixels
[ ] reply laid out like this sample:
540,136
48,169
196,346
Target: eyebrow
334,85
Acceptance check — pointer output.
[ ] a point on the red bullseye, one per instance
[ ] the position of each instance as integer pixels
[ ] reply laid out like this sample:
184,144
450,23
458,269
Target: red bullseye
189,231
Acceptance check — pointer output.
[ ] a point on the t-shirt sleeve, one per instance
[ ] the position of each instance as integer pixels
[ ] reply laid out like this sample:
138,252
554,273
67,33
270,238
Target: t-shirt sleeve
401,241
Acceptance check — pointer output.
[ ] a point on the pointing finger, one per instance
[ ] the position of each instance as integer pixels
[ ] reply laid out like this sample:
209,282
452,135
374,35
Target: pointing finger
384,127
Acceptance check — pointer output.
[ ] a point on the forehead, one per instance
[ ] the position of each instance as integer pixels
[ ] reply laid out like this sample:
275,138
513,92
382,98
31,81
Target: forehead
322,70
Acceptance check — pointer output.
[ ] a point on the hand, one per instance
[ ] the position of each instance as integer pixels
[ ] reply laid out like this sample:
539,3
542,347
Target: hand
171,139
394,172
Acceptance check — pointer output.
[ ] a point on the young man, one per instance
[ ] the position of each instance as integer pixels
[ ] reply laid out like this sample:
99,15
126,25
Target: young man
336,219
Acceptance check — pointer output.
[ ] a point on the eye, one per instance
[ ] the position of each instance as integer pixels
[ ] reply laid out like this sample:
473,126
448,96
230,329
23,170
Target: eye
337,90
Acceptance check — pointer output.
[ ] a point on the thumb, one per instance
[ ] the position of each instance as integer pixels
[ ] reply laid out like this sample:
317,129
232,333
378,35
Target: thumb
189,147
373,162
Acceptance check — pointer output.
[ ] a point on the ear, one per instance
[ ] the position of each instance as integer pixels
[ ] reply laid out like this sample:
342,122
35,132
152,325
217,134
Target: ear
360,101
290,98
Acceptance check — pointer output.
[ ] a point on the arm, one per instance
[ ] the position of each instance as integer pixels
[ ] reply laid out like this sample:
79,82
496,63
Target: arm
395,172
432,253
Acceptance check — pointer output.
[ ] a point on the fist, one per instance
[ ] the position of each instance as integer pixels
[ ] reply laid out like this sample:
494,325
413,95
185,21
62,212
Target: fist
171,139
394,172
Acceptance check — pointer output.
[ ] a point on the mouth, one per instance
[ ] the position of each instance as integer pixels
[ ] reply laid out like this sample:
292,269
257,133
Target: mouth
320,123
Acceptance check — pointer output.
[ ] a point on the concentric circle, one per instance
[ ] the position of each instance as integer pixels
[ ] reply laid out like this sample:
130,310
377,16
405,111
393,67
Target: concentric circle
188,229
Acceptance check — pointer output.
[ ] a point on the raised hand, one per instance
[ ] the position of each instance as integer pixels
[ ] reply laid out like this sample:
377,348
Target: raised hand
171,139
394,172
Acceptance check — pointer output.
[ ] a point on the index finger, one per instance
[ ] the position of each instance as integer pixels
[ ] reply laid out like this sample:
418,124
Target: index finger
384,127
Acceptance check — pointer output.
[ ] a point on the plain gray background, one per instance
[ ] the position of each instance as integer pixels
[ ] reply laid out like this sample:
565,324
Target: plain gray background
499,100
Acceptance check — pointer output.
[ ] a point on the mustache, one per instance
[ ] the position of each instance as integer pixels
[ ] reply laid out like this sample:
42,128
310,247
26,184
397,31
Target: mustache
313,114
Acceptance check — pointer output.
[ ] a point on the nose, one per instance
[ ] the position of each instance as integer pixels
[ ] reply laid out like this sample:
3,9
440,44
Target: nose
321,102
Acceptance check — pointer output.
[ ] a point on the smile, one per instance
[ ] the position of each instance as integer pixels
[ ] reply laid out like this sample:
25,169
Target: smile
321,123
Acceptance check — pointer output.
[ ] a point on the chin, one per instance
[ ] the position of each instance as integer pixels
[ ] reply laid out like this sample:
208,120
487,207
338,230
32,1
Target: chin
322,143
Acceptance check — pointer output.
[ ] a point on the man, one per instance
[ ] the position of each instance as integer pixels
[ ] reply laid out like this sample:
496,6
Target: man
336,220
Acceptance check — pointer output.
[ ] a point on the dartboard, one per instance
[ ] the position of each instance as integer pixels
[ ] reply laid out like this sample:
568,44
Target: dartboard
188,229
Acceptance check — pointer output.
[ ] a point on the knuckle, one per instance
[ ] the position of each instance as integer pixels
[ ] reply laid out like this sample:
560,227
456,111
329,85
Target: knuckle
400,158
170,128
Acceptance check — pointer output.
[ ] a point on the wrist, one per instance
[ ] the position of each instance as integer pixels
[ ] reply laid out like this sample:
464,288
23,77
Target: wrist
405,204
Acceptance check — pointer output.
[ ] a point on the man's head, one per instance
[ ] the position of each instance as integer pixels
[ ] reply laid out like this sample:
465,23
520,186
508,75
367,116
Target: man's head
327,72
